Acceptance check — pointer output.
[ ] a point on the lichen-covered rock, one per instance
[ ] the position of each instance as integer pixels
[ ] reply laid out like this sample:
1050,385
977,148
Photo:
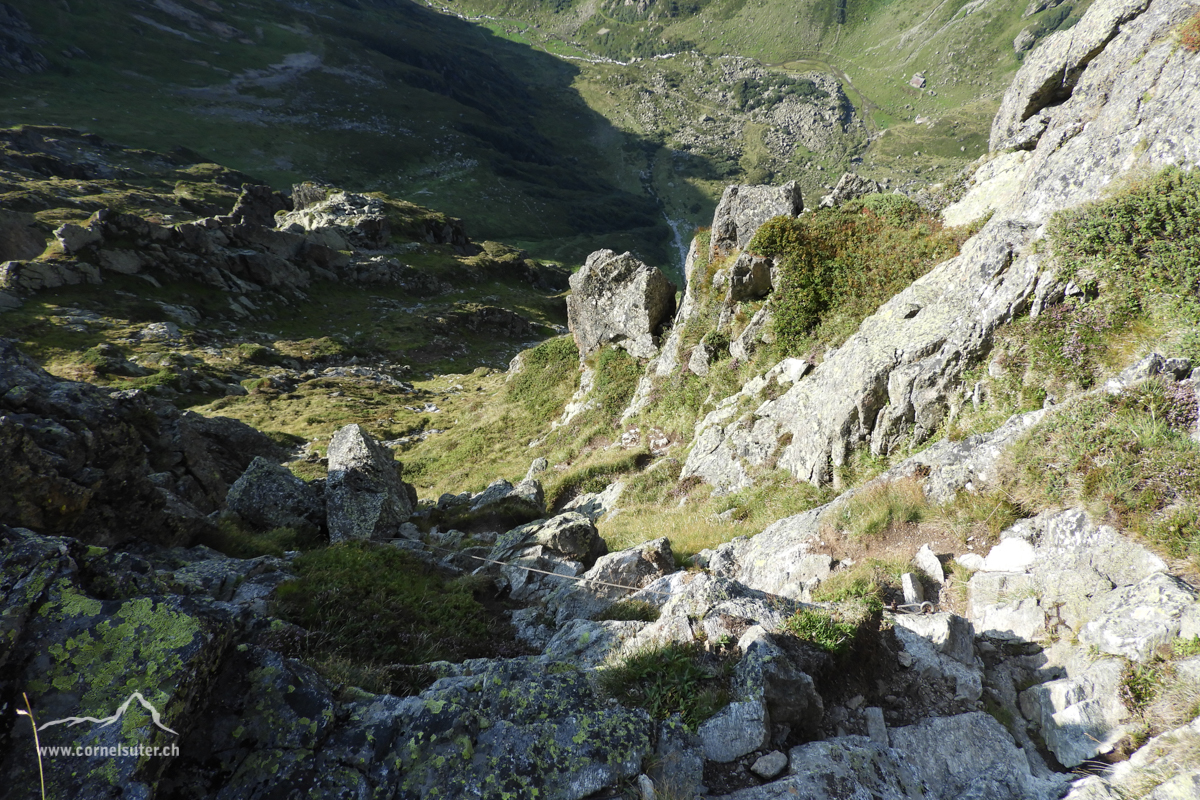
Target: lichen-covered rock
364,496
618,299
78,655
595,505
743,209
257,205
613,577
522,726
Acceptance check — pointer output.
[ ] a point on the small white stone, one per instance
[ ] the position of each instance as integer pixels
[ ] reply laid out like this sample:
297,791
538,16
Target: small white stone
1011,555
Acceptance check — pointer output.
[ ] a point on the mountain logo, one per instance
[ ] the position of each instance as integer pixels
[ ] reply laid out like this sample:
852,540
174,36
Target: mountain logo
71,722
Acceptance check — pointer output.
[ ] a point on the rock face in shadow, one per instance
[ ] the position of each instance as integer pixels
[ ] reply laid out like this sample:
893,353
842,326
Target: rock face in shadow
618,299
109,466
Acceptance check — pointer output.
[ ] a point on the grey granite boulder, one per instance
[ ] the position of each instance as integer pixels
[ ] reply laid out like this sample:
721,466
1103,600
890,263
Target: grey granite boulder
571,535
618,299
269,496
743,209
1135,621
523,502
1081,716
1049,74
969,756
849,187
613,577
843,768
364,496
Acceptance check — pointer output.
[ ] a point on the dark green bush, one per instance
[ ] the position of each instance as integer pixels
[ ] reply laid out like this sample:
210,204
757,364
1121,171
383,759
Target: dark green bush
839,265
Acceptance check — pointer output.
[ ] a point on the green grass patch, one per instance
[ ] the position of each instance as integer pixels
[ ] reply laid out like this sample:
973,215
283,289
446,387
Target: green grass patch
374,605
823,629
872,511
234,540
630,611
547,379
674,679
617,375
1130,455
868,580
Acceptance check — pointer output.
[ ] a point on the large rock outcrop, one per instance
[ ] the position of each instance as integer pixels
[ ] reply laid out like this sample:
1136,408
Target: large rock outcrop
743,209
618,299
1131,108
364,496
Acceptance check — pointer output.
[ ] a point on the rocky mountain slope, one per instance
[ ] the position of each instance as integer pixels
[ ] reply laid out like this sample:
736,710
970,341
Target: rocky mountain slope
876,506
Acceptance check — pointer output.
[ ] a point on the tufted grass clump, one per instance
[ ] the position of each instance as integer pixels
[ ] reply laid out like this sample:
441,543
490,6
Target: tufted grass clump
823,628
630,611
373,604
672,679
239,541
875,509
839,265
1131,455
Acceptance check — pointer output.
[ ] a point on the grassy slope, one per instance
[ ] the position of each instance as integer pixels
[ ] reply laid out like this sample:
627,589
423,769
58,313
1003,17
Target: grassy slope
386,96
